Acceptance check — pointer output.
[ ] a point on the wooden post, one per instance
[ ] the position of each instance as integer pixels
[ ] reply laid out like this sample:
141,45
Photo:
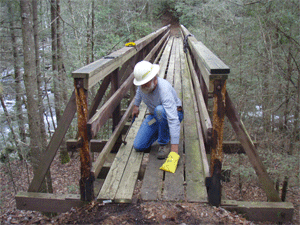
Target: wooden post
87,180
116,115
218,122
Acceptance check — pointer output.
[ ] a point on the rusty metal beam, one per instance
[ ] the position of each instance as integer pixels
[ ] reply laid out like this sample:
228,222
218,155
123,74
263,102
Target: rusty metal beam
86,180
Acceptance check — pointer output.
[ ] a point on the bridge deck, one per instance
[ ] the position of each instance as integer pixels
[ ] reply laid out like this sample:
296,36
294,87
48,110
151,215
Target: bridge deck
188,182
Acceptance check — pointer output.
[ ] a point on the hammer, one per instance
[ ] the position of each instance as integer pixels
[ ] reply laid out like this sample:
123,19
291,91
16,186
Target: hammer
123,141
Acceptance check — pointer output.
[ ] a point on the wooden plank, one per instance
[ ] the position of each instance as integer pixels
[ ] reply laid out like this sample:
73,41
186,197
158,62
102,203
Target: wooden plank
53,145
111,142
95,145
45,202
171,67
129,178
205,118
113,179
161,50
174,183
152,182
275,212
195,189
163,63
201,138
244,138
99,69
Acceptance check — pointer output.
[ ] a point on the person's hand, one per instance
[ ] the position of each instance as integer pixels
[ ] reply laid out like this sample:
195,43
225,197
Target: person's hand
135,111
174,148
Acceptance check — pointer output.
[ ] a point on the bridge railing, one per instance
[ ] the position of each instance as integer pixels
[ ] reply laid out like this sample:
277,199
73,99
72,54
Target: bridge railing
209,75
115,69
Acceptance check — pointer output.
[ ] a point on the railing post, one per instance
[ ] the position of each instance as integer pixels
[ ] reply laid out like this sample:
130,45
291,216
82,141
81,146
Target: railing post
86,182
116,115
218,122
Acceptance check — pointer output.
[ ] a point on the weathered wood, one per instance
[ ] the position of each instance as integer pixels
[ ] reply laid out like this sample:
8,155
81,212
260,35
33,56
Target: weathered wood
156,47
171,67
53,145
95,145
275,212
174,183
99,69
153,178
111,142
127,184
195,189
244,138
100,94
45,202
218,123
161,50
100,118
201,137
210,60
163,63
86,180
209,64
205,119
114,177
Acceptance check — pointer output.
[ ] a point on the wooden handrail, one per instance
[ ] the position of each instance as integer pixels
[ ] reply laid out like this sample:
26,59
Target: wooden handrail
99,118
98,70
210,65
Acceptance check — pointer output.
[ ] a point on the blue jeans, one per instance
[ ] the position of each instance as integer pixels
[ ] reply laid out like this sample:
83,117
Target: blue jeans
151,131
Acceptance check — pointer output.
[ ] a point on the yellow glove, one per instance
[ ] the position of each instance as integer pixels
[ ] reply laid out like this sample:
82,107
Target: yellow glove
130,44
171,163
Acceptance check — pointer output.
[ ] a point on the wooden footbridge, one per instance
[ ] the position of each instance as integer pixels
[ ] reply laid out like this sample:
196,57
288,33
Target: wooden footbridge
197,75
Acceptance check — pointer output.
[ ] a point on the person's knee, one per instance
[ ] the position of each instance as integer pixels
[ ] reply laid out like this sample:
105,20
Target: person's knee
159,112
138,146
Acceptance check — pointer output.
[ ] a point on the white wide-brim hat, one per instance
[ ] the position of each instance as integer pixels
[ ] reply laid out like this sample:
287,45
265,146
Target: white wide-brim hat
144,72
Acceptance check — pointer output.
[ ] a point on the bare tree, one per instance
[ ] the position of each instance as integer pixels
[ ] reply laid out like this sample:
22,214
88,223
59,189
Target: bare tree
17,73
31,87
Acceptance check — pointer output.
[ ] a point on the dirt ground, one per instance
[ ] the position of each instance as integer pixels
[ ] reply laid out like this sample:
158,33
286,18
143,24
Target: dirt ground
65,179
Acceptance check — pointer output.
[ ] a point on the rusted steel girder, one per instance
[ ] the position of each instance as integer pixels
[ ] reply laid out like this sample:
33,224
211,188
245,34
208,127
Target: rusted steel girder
87,179
218,122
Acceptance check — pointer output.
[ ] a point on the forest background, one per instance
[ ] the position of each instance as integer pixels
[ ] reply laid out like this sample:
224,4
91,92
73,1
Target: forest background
43,42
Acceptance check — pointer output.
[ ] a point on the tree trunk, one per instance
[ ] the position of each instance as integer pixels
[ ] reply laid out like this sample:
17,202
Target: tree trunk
18,78
63,95
56,79
30,81
47,185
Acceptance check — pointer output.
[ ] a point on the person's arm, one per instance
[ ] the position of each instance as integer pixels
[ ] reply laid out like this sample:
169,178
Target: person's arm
135,111
137,102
